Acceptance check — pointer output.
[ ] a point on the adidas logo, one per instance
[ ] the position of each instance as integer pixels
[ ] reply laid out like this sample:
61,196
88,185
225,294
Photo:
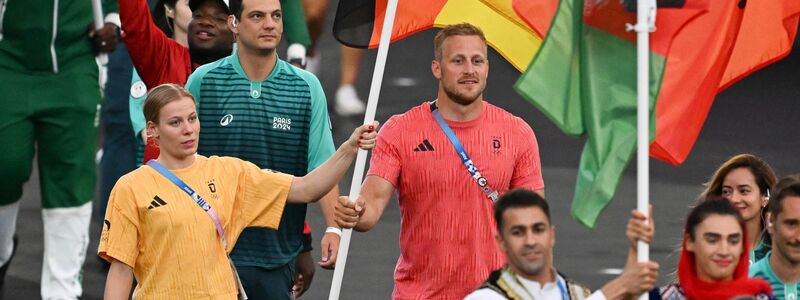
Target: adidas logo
425,146
157,202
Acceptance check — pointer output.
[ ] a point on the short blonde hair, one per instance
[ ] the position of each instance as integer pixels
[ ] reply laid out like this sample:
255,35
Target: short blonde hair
160,96
453,30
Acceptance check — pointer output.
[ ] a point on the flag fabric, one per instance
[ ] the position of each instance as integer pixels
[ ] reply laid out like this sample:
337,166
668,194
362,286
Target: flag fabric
766,34
584,79
358,23
537,14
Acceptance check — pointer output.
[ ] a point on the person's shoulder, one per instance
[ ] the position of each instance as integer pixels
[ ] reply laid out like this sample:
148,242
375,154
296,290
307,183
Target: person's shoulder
496,111
402,123
576,288
411,117
288,70
498,114
760,268
227,164
135,176
203,70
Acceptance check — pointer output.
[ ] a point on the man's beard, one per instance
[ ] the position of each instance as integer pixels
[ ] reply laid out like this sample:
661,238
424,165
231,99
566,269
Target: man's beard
203,56
460,98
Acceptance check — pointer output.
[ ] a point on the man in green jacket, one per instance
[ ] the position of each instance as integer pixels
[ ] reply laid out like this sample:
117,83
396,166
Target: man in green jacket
50,97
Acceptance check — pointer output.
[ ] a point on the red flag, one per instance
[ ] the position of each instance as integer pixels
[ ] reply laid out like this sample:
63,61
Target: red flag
709,61
537,14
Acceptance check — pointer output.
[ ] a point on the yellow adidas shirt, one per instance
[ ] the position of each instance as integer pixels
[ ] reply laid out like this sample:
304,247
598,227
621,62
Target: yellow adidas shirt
171,243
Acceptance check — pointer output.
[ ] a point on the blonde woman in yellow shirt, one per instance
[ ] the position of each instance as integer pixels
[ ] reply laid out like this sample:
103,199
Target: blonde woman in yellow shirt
173,234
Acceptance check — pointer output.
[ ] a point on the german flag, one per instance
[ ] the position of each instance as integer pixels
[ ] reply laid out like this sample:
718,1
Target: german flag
358,22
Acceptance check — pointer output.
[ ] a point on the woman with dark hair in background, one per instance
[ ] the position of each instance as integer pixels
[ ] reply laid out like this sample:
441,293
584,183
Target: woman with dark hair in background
173,17
745,180
713,262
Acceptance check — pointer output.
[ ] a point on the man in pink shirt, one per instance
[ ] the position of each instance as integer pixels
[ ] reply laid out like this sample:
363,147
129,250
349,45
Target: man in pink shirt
447,182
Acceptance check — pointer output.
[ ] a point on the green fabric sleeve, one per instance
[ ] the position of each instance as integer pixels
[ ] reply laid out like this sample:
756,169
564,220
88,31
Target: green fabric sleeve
320,139
136,96
294,23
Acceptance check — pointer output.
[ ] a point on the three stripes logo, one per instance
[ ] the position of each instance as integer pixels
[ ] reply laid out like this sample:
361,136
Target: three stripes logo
425,146
157,202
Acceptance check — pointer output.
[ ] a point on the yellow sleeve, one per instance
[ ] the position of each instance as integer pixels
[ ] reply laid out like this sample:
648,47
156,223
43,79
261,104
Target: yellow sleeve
120,235
262,196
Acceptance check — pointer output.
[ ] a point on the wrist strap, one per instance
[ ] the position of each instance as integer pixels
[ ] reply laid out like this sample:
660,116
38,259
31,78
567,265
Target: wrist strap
336,230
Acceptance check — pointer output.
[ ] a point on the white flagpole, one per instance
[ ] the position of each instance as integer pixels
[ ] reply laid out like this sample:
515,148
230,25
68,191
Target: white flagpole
645,21
361,159
102,58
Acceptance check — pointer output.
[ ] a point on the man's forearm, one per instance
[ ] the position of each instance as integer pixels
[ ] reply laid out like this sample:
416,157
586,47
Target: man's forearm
368,219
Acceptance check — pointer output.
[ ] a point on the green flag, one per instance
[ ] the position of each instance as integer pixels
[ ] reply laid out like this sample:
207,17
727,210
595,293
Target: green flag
584,80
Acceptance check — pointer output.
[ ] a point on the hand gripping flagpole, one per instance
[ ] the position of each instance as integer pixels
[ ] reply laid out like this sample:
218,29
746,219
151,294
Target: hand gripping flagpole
361,159
102,58
645,23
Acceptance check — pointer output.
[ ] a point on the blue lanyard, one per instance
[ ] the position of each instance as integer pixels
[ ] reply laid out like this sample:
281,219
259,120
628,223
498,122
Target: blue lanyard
482,182
195,196
211,213
562,286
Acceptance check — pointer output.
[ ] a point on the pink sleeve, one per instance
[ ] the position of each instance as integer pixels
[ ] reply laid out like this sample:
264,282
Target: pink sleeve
528,168
386,160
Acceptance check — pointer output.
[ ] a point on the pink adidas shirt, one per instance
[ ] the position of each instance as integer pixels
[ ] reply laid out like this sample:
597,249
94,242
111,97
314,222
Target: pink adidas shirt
447,245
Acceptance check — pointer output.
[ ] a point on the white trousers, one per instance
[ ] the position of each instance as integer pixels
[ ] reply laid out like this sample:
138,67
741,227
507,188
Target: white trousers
8,225
66,239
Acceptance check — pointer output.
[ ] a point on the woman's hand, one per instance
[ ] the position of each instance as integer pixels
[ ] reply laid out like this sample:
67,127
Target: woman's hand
364,137
639,229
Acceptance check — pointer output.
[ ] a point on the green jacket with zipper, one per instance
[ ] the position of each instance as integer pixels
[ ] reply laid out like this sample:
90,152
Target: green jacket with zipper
40,37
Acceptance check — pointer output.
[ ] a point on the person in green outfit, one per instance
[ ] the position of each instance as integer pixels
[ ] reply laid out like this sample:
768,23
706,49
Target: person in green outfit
49,78
781,266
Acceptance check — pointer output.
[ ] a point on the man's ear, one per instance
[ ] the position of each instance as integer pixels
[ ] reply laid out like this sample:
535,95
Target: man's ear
233,24
770,223
500,243
436,69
